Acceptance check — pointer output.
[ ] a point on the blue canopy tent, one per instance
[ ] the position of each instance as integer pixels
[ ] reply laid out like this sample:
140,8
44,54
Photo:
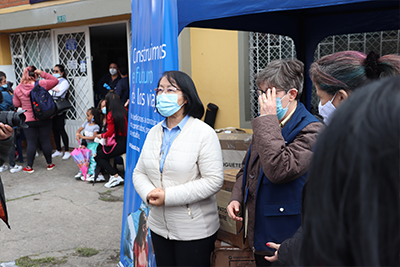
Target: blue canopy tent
307,22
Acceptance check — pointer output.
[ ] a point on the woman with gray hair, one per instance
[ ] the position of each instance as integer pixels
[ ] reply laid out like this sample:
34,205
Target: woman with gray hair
268,187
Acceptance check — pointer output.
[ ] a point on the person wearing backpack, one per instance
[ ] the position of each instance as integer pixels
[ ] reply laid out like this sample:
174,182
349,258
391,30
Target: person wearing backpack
38,129
60,91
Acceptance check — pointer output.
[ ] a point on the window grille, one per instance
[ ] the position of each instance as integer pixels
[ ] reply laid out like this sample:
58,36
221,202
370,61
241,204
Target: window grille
31,48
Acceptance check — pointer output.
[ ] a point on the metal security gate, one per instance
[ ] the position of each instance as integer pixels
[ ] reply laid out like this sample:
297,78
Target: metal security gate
72,49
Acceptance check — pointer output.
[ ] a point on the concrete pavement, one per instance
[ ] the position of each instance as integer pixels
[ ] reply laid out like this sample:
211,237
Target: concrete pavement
52,214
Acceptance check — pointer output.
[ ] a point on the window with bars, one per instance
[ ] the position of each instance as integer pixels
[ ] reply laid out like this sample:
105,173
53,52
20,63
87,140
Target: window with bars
31,48
267,47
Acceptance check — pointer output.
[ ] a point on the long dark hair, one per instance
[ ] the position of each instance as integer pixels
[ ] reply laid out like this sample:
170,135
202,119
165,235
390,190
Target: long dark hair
140,233
96,116
194,107
351,201
62,69
119,113
349,70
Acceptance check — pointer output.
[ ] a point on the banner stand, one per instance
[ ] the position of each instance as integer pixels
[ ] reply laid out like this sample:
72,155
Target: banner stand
154,50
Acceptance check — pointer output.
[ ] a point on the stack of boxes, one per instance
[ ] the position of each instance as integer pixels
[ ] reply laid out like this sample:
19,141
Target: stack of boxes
230,250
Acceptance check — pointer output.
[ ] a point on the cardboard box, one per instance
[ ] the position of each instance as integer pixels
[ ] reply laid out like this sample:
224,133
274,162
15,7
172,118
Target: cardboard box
224,256
234,147
229,229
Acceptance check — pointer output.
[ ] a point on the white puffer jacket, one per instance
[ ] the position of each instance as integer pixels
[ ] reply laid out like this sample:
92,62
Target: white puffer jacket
192,175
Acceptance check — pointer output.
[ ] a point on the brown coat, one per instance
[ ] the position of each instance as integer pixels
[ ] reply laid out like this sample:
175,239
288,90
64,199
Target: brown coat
281,163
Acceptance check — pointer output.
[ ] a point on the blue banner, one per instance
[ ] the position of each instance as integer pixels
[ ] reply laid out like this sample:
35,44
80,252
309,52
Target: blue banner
154,50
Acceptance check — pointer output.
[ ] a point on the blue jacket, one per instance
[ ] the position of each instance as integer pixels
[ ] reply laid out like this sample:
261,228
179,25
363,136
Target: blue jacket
278,206
7,103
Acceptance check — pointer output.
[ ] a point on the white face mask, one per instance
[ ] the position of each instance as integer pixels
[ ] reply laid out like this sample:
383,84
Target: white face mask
113,71
327,110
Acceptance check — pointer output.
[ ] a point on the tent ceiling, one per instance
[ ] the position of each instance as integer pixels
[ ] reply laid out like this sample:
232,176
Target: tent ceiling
307,22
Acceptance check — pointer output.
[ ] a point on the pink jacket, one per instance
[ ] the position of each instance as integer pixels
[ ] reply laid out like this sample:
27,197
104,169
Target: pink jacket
22,91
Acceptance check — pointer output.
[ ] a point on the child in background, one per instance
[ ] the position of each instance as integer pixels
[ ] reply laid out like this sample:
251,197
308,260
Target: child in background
90,128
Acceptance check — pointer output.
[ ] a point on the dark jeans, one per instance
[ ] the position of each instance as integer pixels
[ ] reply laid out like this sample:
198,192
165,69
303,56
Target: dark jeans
183,253
103,160
11,156
38,130
59,130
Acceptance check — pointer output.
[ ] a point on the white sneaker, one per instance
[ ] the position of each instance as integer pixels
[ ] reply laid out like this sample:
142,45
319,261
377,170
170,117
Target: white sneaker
78,176
100,178
56,154
36,154
3,168
16,168
66,155
89,178
114,181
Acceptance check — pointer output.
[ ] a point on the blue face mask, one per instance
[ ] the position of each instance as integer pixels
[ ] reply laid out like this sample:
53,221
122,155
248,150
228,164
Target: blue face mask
92,120
280,111
57,75
104,110
167,105
4,86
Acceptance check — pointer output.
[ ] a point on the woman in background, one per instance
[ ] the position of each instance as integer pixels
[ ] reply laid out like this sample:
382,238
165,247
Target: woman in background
337,75
38,129
117,127
60,91
351,209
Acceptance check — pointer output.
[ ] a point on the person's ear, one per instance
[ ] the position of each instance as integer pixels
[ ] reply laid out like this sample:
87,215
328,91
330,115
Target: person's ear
341,96
292,94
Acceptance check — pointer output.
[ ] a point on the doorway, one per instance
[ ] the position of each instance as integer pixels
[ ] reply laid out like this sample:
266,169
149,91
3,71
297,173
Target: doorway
108,44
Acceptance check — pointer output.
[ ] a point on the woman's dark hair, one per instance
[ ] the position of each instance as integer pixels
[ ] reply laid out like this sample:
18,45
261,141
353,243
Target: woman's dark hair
140,233
62,69
2,75
119,113
99,108
351,198
349,70
29,75
194,107
96,116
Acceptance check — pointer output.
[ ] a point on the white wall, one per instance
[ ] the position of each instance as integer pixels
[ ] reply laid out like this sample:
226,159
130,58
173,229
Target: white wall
74,11
9,71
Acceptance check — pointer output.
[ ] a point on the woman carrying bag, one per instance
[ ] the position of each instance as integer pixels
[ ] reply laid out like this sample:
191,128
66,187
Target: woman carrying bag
38,130
60,92
115,138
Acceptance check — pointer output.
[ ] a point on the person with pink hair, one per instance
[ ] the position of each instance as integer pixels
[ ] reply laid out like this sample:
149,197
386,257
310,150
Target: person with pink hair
38,129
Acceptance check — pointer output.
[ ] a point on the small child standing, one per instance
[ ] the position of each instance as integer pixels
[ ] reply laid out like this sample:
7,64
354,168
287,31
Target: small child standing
90,128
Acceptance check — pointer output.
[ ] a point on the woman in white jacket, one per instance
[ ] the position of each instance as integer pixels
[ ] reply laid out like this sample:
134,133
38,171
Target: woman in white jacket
60,91
178,173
